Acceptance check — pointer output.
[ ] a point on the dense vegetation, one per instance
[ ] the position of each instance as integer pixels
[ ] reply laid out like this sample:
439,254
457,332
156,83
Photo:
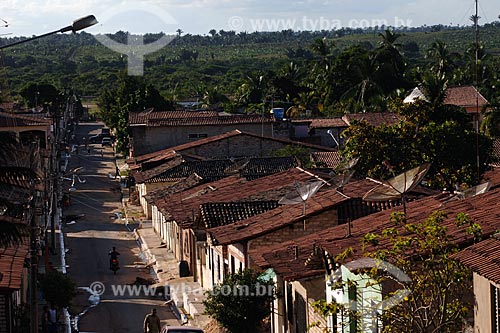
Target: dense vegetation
192,65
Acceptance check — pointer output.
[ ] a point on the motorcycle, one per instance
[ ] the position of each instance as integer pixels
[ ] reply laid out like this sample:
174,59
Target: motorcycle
114,265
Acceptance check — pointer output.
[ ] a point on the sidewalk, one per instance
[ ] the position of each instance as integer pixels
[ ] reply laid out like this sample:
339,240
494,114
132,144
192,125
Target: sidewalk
186,295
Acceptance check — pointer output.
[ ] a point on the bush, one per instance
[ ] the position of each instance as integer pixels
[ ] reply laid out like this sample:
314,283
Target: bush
58,288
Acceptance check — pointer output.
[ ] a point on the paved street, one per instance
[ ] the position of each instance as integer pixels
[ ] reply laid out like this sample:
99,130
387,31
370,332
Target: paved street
90,239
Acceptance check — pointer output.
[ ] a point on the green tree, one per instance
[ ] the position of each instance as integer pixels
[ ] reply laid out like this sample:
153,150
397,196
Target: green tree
130,94
301,153
437,284
39,94
437,301
441,136
240,303
58,288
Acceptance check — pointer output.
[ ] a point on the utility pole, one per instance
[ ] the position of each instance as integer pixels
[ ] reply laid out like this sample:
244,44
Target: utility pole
33,271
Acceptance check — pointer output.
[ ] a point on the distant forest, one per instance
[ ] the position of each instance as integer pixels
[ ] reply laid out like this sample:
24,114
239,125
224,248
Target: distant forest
327,69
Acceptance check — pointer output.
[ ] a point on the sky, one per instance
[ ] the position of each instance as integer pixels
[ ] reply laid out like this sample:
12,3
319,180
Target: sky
35,17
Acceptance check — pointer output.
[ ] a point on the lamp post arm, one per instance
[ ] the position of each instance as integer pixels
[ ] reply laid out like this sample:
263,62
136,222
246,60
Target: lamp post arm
29,39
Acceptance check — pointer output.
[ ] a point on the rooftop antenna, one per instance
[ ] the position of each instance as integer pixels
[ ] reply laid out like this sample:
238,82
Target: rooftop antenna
398,186
303,192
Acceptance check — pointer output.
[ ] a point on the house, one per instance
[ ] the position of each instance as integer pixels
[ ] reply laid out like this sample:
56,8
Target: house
233,241
27,127
153,130
327,131
317,131
483,260
300,263
178,216
234,144
13,285
374,119
176,169
466,97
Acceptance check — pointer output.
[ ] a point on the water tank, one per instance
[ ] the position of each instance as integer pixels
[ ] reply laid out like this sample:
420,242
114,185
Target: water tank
279,113
183,268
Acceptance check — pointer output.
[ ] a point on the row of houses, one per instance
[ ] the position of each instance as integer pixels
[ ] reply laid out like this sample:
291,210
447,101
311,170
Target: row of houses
224,225
26,142
215,203
153,130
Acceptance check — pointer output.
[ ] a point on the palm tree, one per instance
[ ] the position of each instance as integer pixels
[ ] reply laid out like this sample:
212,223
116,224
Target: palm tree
367,88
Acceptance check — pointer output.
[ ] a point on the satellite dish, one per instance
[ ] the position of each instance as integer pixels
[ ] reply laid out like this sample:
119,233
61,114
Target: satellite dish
343,173
397,187
301,195
475,190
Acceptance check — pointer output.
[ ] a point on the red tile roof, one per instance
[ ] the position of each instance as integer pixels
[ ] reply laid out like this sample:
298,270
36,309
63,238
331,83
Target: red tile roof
483,258
464,96
167,153
142,118
17,120
322,122
216,214
231,189
287,214
12,264
374,118
482,209
192,118
326,159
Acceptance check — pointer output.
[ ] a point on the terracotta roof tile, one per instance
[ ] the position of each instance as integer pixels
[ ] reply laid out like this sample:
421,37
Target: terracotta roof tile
373,118
209,170
288,214
215,214
153,118
166,153
142,118
483,209
16,120
326,159
231,189
12,266
145,175
483,258
257,167
179,186
464,96
327,123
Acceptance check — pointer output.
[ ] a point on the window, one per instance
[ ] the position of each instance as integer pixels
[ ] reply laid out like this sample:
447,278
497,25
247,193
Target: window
233,266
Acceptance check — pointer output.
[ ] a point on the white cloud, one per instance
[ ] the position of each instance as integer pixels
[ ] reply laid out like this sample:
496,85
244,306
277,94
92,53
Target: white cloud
27,17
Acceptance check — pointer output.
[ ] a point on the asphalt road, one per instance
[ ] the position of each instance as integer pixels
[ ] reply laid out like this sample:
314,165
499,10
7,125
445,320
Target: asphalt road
90,239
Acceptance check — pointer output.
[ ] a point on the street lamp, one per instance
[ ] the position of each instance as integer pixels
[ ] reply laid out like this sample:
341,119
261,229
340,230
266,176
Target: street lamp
77,25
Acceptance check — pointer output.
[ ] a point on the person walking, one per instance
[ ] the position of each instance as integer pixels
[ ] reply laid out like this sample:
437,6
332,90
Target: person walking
45,319
52,317
152,322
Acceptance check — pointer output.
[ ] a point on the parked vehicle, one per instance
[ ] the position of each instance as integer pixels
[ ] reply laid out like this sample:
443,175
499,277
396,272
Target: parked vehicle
106,141
180,329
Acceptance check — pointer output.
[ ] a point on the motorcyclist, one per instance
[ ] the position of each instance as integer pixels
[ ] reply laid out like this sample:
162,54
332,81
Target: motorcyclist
113,254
